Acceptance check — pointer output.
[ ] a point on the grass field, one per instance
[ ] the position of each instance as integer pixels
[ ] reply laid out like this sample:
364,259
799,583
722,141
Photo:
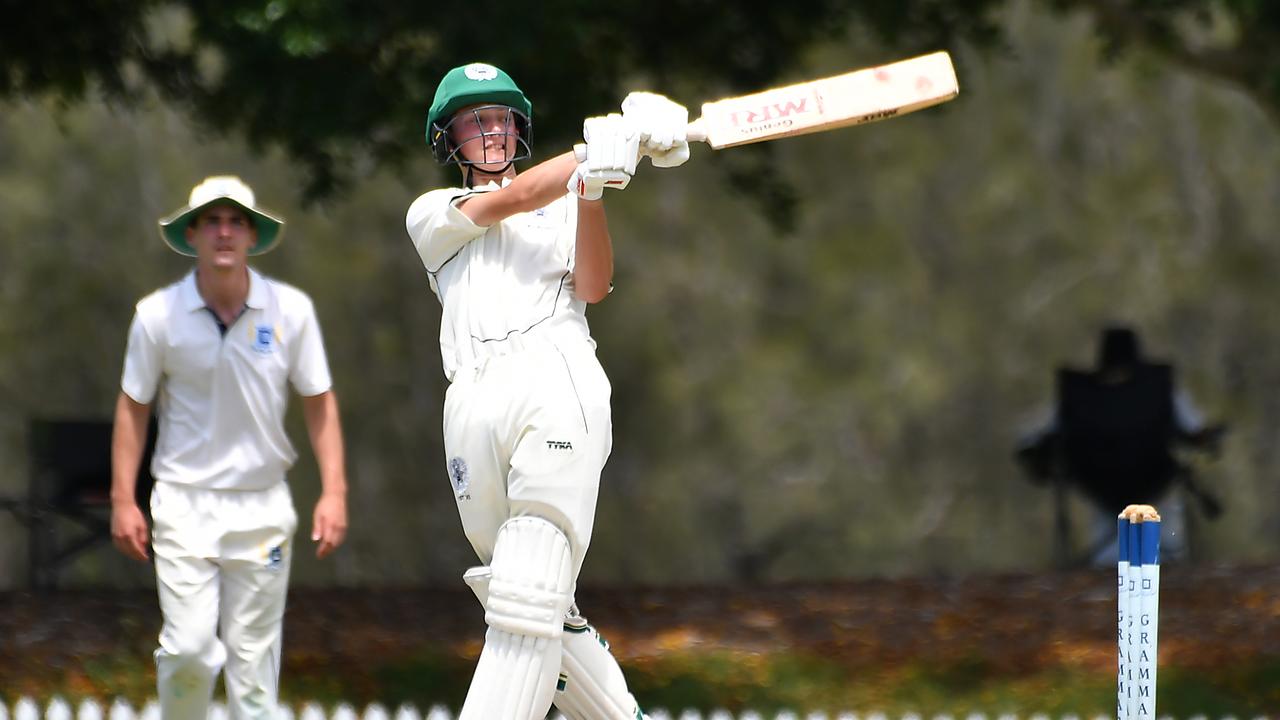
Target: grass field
1017,644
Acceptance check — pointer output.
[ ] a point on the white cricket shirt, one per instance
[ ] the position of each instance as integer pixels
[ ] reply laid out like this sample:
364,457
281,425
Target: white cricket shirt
221,399
502,288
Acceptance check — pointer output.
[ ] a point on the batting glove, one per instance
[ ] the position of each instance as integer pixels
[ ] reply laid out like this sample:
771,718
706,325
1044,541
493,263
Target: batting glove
661,123
608,159
590,185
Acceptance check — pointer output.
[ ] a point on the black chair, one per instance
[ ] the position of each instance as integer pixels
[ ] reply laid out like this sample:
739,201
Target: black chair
70,485
1117,436
1115,443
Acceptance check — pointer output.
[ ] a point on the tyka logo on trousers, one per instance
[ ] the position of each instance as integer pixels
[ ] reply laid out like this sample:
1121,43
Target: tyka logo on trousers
560,445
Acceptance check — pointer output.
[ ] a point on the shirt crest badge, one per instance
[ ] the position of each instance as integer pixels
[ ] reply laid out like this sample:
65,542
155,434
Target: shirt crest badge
264,339
275,558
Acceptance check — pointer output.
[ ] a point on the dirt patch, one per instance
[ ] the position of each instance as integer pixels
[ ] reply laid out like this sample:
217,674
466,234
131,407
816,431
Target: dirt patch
1011,623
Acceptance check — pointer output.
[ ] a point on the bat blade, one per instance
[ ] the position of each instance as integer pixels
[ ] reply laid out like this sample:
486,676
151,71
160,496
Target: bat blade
854,98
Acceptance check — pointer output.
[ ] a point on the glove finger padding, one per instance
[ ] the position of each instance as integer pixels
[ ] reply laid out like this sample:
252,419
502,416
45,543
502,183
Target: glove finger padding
612,144
677,155
662,125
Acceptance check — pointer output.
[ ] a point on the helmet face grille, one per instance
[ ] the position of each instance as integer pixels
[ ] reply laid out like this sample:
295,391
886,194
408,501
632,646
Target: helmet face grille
447,150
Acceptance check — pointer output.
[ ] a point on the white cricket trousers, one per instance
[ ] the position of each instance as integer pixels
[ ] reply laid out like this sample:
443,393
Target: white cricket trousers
222,562
528,434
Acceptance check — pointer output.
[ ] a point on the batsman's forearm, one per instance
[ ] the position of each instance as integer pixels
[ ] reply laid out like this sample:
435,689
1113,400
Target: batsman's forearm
593,253
532,189
128,438
324,426
541,184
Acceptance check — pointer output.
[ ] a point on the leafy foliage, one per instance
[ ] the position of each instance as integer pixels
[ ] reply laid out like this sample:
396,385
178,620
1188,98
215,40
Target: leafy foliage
835,399
333,81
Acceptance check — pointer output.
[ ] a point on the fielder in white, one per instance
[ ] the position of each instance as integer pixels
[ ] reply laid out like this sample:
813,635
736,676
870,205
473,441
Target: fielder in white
215,353
514,260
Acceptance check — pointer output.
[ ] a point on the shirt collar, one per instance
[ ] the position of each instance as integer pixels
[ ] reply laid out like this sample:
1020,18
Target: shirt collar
257,291
492,185
191,300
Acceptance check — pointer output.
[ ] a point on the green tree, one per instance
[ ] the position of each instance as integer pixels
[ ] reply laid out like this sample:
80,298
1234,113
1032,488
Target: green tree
331,81
833,396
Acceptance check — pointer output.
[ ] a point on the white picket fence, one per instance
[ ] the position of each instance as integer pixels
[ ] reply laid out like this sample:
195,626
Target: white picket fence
59,709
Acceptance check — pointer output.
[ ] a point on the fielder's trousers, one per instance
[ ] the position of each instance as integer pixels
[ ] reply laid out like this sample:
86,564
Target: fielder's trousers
222,562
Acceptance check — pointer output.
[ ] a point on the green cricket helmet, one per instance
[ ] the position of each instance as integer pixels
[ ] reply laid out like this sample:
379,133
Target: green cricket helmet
472,84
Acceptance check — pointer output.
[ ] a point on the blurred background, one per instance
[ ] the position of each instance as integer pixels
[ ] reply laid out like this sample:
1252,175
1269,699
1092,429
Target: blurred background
823,350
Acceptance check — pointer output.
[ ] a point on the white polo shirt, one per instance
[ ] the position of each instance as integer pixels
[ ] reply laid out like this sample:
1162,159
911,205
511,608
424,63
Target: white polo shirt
221,399
502,288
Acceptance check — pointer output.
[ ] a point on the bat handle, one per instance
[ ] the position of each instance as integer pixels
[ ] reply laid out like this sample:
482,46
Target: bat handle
696,131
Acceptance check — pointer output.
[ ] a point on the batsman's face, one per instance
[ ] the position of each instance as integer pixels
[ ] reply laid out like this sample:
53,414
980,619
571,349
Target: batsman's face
485,135
222,236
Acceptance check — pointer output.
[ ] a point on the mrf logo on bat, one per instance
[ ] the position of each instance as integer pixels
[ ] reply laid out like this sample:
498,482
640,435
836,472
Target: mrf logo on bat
854,98
774,116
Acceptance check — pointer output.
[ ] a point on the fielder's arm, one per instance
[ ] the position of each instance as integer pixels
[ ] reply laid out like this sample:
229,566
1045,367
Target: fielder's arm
329,521
129,532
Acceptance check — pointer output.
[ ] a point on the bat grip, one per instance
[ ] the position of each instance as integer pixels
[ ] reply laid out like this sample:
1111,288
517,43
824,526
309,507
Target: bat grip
696,131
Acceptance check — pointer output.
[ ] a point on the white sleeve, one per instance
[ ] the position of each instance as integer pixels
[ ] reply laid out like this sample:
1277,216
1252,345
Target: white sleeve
438,228
570,236
143,363
309,370
1040,426
1185,413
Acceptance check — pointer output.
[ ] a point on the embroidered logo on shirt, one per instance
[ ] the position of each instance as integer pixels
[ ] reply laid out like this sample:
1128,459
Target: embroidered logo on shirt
460,476
264,339
560,445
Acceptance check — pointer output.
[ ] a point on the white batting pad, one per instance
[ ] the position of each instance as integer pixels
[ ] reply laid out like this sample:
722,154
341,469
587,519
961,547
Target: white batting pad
529,594
591,686
477,578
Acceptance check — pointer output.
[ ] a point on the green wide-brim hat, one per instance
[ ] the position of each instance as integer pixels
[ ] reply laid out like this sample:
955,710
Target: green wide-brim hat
229,190
475,83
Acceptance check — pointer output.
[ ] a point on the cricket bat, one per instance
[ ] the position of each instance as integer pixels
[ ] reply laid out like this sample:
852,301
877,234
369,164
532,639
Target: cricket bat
854,98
